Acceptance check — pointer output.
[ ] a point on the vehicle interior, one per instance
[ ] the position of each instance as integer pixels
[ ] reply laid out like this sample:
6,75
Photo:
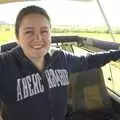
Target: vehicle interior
93,94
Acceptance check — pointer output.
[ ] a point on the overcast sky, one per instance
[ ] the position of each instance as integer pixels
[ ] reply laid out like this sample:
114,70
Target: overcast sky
63,12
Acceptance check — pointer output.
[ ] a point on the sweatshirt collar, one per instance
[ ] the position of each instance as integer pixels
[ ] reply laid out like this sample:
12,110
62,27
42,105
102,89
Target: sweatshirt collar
49,57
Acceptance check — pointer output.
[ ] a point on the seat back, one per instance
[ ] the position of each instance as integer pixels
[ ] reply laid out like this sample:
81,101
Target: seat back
89,91
87,94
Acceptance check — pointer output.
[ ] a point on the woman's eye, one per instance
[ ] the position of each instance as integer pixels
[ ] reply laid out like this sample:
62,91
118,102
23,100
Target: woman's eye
29,32
44,31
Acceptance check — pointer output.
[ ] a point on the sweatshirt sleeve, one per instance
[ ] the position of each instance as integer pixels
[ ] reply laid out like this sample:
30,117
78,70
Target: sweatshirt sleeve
2,62
1,72
3,69
90,61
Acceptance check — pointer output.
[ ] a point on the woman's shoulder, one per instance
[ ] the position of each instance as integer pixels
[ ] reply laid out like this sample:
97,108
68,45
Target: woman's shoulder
8,46
7,58
8,54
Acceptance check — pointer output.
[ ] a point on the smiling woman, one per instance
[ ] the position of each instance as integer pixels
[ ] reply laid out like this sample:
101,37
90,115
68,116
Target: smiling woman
34,80
33,33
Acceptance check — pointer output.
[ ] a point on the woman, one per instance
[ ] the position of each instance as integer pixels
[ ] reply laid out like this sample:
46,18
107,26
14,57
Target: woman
33,82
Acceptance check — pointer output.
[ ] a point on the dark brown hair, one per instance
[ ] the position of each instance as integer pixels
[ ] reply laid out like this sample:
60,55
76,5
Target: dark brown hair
28,10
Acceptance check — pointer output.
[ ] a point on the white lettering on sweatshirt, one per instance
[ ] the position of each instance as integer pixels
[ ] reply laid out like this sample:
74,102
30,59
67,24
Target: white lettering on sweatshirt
31,85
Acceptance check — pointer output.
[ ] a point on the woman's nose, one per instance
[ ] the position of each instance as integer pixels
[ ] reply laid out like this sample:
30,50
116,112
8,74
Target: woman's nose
38,37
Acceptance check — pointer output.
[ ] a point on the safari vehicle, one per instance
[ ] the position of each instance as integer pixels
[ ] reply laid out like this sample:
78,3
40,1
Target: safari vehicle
93,94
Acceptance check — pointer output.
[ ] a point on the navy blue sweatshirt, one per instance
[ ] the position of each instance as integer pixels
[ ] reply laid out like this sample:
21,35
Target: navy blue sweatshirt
30,94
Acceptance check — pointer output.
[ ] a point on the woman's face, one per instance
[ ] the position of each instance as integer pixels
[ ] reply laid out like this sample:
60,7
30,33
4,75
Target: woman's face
34,35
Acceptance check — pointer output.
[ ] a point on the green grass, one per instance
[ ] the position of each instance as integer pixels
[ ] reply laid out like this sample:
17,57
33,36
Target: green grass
7,32
6,36
88,31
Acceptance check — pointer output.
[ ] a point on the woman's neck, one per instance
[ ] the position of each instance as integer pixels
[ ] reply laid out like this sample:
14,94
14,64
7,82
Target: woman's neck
39,63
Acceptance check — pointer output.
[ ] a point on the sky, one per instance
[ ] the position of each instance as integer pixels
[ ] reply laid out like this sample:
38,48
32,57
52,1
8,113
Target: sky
64,12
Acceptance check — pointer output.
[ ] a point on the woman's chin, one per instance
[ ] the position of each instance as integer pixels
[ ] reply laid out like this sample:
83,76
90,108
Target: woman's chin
38,54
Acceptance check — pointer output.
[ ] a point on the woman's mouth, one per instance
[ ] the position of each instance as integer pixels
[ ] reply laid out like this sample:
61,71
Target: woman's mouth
37,46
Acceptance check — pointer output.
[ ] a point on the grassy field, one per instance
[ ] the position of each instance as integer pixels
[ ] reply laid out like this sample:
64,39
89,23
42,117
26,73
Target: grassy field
7,33
92,32
6,37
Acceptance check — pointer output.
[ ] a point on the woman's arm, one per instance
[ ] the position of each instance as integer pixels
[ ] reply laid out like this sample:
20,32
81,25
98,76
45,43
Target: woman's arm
90,61
1,116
